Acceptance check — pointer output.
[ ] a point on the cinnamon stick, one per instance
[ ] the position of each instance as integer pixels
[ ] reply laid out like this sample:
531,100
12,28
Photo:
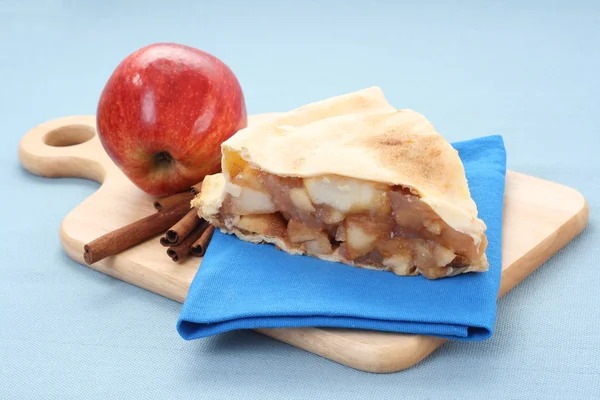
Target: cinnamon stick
199,247
135,233
170,201
182,228
181,250
197,188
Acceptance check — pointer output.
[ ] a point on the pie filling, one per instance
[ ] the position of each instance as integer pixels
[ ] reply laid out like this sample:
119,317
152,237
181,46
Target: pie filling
363,223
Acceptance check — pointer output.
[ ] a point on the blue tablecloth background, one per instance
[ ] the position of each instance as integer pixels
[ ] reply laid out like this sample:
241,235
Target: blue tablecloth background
525,70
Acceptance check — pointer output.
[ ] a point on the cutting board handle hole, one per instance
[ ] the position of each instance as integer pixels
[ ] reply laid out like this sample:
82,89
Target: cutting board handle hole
69,135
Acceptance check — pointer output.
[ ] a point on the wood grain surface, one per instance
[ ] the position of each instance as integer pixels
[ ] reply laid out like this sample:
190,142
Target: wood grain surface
540,217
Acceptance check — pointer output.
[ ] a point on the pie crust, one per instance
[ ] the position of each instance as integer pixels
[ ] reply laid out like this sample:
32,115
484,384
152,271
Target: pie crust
349,179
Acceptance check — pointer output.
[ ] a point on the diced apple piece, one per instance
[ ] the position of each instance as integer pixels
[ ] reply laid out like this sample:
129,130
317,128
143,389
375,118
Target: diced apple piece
408,210
400,264
330,215
358,241
233,189
423,252
341,193
391,247
263,224
299,233
433,226
340,234
250,201
383,204
233,163
315,241
250,177
280,189
320,246
443,255
300,200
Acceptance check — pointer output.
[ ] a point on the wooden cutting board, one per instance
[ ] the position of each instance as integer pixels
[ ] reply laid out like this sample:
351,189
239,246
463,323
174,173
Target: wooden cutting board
540,217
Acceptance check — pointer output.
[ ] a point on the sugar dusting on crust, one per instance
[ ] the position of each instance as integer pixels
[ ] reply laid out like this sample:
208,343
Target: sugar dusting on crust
419,156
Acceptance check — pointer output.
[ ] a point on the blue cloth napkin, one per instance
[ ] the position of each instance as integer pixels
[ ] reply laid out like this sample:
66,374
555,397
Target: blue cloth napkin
244,286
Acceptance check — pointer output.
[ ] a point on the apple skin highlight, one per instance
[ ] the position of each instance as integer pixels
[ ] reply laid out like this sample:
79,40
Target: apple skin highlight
164,113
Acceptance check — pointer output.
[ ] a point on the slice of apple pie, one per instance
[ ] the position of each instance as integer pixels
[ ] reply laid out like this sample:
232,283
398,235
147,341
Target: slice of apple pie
349,179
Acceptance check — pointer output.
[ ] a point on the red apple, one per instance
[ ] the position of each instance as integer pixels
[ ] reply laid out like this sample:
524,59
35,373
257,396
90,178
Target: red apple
164,113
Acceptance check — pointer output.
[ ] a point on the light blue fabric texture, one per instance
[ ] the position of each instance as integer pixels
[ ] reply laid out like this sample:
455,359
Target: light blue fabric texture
242,285
526,70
